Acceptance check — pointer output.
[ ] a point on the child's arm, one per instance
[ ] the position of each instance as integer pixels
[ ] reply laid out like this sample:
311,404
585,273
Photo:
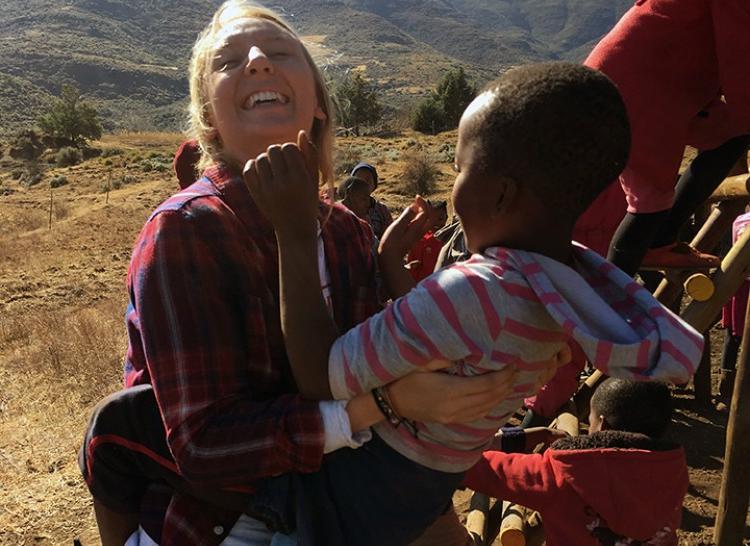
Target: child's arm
527,480
400,236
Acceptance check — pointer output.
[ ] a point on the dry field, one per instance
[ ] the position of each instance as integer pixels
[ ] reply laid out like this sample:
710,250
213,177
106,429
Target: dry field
62,338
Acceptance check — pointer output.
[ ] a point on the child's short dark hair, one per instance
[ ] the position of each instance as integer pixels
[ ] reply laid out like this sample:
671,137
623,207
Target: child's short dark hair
634,406
558,127
352,185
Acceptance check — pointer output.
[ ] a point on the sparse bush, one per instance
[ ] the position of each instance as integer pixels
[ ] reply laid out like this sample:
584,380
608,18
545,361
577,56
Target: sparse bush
111,152
346,158
147,166
420,173
116,184
129,179
447,153
107,162
61,209
16,174
68,156
26,145
58,181
33,174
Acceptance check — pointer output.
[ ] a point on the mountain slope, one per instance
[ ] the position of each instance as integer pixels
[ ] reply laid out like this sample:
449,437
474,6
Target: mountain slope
130,56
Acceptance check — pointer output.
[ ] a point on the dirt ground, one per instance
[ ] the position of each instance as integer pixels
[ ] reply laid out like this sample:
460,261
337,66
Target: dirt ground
62,338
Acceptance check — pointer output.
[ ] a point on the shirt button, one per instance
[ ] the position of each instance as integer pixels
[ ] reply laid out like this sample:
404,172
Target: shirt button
218,530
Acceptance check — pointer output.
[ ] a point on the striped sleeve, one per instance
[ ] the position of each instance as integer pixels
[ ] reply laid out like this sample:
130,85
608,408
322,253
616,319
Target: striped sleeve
448,316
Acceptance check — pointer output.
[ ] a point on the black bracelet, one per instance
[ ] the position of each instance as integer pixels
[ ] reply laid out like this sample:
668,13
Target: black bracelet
380,395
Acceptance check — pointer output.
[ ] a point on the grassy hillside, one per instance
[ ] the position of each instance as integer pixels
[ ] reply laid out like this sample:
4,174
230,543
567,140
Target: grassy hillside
130,57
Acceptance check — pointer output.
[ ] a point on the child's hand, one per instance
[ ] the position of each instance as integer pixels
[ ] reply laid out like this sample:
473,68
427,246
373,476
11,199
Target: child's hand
542,435
283,181
407,229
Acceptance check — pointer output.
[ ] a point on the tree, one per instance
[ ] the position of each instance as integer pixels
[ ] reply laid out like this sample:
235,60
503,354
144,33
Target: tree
357,103
442,110
71,119
454,93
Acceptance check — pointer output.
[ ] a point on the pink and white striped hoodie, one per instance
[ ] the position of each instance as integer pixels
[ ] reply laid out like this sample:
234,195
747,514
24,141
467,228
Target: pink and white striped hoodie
509,308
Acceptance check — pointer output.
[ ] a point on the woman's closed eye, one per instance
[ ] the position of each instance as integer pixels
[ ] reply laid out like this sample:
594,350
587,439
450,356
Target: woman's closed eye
224,64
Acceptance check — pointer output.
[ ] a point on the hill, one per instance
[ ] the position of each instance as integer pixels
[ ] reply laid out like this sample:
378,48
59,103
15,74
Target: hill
130,57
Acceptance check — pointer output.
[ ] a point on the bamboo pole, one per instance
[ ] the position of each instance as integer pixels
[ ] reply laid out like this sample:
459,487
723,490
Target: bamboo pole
708,237
513,526
735,483
727,280
476,521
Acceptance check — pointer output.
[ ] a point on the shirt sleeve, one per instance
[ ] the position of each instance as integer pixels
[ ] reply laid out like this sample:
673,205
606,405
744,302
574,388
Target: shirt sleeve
442,318
528,480
205,339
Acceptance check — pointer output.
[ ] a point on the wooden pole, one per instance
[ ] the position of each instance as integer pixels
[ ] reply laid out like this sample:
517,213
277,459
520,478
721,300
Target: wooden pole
735,482
708,237
727,280
702,378
476,521
50,209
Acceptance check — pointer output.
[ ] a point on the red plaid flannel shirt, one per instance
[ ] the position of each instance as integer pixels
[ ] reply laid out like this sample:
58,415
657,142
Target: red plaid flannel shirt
204,328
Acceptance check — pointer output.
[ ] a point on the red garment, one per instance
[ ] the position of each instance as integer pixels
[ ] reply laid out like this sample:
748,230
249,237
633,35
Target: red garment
426,252
671,59
581,493
185,161
204,328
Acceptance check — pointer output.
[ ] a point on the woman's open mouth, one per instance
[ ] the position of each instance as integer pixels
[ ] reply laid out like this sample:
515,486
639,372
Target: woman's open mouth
265,98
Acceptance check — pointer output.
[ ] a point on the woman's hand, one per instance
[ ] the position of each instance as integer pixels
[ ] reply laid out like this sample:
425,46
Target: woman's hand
283,182
442,398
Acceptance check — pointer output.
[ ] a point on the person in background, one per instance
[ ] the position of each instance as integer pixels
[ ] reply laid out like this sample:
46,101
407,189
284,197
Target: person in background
620,484
355,195
378,215
423,256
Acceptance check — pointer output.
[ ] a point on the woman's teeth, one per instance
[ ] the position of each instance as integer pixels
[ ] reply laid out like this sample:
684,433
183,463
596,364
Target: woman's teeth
264,97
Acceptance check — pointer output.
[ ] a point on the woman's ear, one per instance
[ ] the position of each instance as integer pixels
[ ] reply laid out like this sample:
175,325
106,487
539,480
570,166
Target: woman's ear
320,114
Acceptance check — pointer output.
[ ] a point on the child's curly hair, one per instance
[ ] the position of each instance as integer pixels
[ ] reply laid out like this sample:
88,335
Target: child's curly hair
559,128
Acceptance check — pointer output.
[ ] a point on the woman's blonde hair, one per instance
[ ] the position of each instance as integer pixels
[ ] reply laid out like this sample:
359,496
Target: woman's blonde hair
199,127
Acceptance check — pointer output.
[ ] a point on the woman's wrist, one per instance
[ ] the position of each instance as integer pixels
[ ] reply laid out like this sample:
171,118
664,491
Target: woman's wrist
363,412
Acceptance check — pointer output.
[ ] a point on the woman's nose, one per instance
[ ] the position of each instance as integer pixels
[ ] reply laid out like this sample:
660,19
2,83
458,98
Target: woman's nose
258,62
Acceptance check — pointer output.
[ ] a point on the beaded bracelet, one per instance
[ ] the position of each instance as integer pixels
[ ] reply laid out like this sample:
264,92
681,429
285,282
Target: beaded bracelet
380,395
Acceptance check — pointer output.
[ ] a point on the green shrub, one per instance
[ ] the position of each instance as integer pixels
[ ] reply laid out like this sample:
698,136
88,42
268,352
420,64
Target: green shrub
116,184
57,181
68,156
71,119
428,117
107,162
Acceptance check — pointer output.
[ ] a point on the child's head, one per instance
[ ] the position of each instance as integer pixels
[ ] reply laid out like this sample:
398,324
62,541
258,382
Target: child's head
441,214
541,142
366,172
356,195
631,406
253,84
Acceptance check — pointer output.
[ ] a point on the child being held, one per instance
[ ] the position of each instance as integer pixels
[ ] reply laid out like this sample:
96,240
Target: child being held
534,150
621,484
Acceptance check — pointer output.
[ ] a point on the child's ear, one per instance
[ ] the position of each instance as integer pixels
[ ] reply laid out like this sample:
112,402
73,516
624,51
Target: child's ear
507,191
605,425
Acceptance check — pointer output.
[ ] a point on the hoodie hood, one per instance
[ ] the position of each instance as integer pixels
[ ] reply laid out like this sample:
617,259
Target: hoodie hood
623,330
630,483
